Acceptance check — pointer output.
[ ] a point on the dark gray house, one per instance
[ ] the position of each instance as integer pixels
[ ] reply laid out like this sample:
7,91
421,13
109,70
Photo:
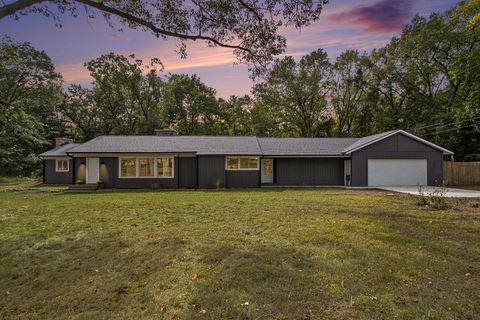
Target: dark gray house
390,158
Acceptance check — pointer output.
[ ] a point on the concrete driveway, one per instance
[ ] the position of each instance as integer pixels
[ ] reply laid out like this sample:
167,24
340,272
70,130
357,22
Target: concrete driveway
449,192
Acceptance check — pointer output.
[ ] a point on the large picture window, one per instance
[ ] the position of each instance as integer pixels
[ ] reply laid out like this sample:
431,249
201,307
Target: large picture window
128,167
241,163
61,165
161,167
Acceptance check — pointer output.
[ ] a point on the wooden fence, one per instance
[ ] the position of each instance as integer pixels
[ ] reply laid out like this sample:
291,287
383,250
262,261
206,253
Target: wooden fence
461,173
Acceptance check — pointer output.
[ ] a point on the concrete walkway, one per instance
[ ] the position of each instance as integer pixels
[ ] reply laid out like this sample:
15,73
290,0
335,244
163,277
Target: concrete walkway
448,192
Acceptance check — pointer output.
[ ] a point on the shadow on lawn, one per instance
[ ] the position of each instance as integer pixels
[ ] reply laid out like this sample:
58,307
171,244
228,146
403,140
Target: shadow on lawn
100,278
87,278
259,282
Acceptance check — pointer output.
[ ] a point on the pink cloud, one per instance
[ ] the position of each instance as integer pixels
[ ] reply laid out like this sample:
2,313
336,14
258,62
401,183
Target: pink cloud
115,37
379,17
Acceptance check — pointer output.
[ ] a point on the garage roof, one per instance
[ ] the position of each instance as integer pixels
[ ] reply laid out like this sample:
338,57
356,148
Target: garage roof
366,141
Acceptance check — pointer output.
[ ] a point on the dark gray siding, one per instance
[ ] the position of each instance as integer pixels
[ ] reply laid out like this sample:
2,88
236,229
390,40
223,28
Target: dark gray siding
187,172
397,147
242,178
80,169
109,176
309,171
211,171
54,177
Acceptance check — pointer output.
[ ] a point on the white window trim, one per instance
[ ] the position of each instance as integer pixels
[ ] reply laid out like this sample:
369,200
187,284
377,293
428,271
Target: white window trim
238,164
137,168
56,165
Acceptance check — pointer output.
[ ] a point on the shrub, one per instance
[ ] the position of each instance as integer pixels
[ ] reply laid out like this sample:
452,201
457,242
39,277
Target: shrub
218,183
435,199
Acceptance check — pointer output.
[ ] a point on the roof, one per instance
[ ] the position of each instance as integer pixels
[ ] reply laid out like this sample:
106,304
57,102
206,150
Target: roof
304,146
227,145
202,145
361,142
366,141
60,151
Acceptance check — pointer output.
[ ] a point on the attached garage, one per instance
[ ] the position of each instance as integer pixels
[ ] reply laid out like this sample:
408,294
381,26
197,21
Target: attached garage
396,158
397,172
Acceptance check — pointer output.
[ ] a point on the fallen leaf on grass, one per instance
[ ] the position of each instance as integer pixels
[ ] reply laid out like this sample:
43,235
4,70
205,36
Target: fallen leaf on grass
194,277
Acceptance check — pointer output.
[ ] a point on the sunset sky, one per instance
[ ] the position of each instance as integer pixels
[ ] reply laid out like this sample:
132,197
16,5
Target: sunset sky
344,24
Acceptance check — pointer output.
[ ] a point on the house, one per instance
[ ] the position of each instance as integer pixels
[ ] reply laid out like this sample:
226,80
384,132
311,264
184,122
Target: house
165,160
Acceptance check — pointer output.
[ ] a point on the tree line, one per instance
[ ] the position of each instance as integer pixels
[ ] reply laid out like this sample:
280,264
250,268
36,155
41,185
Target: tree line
425,81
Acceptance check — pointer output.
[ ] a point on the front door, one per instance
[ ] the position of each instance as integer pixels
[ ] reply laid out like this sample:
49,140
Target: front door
267,170
93,170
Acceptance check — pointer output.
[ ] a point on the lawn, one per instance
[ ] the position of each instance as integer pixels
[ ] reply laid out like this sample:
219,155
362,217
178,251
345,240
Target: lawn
246,254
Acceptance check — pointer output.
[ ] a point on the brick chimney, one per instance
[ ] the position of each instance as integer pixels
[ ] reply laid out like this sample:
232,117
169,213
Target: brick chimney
166,132
61,141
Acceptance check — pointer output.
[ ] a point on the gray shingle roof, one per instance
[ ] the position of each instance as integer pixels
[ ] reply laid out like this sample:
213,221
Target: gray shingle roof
304,146
204,145
212,145
366,140
60,151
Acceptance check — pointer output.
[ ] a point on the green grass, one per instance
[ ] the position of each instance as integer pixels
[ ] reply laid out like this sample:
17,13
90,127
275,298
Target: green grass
289,253
27,184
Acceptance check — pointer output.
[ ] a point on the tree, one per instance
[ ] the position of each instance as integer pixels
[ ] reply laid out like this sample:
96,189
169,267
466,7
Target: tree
348,89
190,105
30,91
235,116
249,27
298,92
427,80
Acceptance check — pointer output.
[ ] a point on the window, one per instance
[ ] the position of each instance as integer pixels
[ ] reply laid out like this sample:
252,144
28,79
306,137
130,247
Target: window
241,163
61,165
165,167
128,167
232,163
146,167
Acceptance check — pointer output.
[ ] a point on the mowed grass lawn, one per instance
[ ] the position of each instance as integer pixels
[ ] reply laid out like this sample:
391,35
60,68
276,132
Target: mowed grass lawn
240,254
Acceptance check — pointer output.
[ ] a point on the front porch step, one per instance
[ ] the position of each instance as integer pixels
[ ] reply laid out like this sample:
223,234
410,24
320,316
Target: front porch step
82,188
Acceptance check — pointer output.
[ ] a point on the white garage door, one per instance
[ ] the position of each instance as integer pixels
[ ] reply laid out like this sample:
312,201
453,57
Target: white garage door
397,172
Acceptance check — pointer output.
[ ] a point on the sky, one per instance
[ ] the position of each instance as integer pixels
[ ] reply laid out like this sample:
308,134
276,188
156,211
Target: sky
344,24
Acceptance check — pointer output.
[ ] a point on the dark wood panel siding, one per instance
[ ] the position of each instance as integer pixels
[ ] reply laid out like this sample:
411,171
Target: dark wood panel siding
397,147
110,178
309,171
242,178
211,171
187,172
54,177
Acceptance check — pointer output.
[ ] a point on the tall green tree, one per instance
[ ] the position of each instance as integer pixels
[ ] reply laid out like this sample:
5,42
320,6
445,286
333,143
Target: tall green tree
298,92
125,97
190,105
30,91
235,116
348,90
